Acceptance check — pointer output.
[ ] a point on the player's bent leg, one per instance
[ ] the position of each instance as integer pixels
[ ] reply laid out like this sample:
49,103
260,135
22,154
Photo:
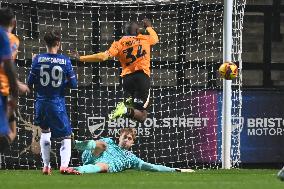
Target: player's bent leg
141,100
123,110
140,115
90,168
4,126
141,96
119,111
280,174
8,138
129,102
139,112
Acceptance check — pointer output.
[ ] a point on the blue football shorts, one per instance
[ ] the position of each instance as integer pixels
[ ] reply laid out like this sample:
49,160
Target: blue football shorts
51,114
4,125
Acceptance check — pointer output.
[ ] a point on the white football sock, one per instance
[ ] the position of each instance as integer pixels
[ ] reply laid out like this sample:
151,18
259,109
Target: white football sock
65,152
45,146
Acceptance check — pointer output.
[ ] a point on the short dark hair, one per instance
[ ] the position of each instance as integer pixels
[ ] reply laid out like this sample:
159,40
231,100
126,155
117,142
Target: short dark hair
51,38
128,29
6,16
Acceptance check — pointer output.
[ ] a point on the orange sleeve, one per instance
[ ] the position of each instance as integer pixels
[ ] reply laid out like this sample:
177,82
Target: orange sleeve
14,43
99,57
102,56
153,37
114,49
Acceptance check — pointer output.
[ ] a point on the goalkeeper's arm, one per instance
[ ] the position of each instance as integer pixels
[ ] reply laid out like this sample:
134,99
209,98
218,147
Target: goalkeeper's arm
155,168
160,168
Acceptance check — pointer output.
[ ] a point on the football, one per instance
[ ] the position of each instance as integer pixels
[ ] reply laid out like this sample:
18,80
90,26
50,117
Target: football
228,70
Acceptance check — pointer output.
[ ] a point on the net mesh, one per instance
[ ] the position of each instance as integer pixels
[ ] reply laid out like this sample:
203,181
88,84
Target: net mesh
183,127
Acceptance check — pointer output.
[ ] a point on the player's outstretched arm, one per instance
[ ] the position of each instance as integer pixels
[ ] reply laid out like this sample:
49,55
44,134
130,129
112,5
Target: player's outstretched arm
98,57
160,168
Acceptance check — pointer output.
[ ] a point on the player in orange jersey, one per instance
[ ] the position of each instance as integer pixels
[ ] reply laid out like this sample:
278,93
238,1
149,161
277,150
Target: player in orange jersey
5,86
14,44
133,52
23,88
7,134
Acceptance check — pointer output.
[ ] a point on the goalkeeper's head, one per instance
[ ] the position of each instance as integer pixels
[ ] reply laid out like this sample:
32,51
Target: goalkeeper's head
131,28
127,137
52,39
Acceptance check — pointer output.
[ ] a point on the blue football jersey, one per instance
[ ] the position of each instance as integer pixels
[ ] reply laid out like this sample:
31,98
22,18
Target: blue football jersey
5,50
5,53
51,73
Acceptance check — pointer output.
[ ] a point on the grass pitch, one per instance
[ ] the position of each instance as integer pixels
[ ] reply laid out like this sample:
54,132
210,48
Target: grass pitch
201,179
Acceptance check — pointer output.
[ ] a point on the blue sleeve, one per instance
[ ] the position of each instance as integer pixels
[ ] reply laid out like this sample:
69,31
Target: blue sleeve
32,75
71,76
5,50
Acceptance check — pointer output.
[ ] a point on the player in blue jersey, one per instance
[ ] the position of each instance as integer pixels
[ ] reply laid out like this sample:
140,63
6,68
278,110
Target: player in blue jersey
50,74
104,156
7,134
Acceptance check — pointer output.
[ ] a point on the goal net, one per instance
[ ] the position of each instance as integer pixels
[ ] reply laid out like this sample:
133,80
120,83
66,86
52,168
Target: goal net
183,128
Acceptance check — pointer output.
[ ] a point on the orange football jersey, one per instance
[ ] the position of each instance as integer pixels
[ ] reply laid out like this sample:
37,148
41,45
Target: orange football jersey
4,83
133,52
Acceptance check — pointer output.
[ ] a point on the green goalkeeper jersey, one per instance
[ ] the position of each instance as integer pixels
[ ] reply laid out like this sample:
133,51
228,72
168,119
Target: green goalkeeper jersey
117,158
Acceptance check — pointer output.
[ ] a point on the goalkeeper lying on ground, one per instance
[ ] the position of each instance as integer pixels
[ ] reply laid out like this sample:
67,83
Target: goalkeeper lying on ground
104,156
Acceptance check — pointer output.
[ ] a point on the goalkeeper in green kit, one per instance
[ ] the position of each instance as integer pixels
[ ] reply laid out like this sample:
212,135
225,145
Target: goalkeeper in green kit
104,156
